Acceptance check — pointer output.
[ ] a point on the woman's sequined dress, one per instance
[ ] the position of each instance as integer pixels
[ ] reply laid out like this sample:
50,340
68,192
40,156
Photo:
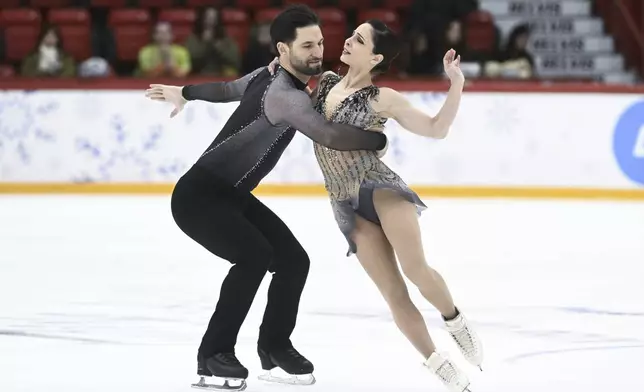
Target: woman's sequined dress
351,176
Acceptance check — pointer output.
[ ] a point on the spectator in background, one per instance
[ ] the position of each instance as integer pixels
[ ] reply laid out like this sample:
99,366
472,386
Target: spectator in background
425,30
433,15
48,59
416,54
94,67
212,52
514,61
163,58
426,55
259,52
453,38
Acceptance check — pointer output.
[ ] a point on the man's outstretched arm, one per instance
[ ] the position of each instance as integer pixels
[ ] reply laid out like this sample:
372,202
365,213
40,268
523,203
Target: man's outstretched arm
219,91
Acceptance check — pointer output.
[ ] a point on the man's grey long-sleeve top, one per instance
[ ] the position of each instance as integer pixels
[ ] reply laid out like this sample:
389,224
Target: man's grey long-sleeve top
271,109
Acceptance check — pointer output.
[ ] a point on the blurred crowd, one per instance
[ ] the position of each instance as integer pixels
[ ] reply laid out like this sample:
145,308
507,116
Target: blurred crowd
430,28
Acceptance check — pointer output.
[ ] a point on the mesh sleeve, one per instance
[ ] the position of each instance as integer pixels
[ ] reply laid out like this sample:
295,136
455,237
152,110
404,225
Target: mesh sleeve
293,107
220,91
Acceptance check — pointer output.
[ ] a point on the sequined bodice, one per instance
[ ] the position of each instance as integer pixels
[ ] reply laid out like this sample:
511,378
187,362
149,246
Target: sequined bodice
344,171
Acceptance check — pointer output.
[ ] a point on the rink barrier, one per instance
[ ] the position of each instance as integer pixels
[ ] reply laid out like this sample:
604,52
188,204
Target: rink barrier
510,140
279,190
408,85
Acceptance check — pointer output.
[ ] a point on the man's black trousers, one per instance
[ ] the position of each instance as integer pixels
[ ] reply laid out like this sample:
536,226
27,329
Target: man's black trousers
237,227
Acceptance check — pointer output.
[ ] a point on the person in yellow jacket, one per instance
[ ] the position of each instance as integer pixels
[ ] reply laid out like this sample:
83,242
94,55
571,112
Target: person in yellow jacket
163,58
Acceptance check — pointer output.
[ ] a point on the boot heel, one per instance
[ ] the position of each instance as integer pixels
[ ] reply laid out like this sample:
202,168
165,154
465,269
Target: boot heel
265,359
202,368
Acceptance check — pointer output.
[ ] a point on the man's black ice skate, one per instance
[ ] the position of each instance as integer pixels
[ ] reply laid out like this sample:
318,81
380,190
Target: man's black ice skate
224,366
299,369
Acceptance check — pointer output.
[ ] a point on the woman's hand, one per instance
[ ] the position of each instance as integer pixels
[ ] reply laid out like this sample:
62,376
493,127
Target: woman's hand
452,63
273,65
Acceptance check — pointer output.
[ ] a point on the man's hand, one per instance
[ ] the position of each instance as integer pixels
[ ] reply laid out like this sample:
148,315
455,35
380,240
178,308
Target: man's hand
171,94
381,153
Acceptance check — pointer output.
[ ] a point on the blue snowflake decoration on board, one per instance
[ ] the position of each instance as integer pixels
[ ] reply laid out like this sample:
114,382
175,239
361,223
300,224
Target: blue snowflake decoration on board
125,150
215,113
393,150
503,117
21,126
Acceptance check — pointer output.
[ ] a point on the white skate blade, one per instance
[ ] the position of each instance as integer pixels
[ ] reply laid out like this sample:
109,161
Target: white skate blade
239,385
290,379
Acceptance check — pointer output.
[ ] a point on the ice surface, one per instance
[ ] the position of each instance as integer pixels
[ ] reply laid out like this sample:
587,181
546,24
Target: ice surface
107,294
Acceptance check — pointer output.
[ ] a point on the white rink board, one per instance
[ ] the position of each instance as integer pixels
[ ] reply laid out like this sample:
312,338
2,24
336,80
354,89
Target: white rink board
498,139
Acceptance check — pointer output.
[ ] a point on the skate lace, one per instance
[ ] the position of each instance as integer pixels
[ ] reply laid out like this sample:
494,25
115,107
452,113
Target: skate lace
293,353
447,373
465,340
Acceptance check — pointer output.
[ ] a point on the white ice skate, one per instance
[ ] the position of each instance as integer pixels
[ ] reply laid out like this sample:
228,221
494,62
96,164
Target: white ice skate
466,339
453,378
229,384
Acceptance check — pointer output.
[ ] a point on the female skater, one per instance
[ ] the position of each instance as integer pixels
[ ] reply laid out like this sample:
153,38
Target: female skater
375,210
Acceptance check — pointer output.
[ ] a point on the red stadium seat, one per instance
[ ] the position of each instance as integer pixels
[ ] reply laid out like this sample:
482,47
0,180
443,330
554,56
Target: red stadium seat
480,32
50,3
253,4
155,3
334,29
389,17
266,15
397,4
11,3
355,4
237,25
109,3
132,29
7,71
21,31
74,26
206,3
182,21
310,3
234,16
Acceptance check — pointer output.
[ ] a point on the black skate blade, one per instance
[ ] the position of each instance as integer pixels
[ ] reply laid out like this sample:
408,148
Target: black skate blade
203,385
284,378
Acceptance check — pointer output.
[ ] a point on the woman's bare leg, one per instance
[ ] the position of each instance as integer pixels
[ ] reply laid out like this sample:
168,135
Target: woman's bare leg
377,258
399,222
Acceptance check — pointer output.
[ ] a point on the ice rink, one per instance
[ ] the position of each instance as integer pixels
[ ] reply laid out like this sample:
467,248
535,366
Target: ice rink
103,294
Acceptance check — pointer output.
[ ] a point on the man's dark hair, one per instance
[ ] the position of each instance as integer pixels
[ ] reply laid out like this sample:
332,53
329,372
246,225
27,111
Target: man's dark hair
284,26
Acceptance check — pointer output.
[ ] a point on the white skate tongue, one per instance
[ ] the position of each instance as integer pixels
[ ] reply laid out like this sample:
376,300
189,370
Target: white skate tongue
435,361
456,323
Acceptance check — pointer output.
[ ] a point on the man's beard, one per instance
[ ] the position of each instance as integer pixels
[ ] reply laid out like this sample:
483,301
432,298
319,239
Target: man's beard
306,68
